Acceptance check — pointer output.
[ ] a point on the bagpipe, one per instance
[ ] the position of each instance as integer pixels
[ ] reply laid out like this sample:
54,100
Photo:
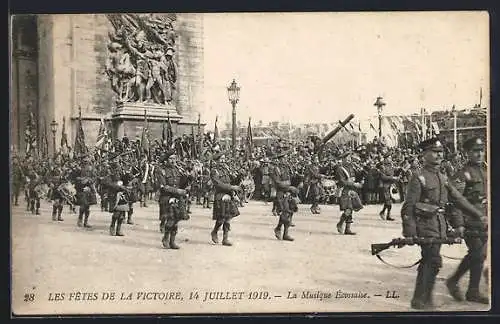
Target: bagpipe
68,192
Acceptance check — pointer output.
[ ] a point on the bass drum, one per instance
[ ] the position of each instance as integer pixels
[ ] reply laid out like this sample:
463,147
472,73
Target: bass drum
395,194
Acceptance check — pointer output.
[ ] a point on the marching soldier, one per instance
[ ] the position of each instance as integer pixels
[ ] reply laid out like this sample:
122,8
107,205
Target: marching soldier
17,179
423,216
349,199
206,186
57,198
471,181
225,199
387,177
85,192
313,180
33,195
120,206
172,201
286,194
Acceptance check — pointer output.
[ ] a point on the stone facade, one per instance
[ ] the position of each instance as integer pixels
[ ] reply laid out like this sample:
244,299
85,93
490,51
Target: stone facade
68,66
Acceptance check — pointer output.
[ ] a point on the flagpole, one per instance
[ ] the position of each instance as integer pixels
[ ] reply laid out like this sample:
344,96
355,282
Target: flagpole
424,130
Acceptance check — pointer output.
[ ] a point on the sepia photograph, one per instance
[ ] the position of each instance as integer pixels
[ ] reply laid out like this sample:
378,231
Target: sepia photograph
249,163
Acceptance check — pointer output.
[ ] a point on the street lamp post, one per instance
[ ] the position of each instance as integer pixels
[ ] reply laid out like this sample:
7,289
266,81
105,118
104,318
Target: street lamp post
379,103
53,128
233,92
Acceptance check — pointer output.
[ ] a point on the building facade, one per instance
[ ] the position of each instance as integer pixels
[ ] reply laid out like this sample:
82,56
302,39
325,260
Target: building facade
59,67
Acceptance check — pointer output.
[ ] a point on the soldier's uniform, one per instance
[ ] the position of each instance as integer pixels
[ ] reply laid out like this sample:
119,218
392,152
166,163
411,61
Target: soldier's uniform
206,187
286,196
172,202
57,178
17,179
313,181
423,215
471,181
34,199
349,201
387,177
85,193
225,199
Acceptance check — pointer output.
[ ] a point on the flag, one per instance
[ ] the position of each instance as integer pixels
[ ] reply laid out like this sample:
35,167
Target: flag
249,138
144,136
200,138
64,137
372,127
167,134
44,141
193,144
80,147
435,127
216,131
102,136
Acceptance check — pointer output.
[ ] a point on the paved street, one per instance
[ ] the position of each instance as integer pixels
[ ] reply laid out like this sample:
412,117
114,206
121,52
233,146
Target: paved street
52,258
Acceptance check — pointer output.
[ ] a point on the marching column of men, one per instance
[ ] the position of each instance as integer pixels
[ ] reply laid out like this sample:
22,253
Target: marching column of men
425,211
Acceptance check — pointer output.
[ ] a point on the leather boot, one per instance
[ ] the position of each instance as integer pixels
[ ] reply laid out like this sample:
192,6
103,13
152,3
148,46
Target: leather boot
129,216
389,218
287,237
225,238
119,227
80,219
112,229
418,302
340,224
59,215
86,220
431,281
172,244
165,239
473,294
452,282
348,229
277,230
215,231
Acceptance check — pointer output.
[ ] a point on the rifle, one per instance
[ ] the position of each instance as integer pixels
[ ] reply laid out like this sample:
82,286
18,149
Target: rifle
400,242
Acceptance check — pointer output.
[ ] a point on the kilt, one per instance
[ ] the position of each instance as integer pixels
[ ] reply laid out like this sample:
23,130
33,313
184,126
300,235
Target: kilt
224,210
349,199
173,212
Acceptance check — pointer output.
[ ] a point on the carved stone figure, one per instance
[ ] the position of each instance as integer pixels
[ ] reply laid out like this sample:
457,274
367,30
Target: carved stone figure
140,65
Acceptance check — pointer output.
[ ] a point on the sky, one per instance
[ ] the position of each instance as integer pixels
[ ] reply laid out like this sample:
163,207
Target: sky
320,67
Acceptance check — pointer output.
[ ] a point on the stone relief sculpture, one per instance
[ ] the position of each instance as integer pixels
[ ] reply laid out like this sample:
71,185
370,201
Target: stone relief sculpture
141,64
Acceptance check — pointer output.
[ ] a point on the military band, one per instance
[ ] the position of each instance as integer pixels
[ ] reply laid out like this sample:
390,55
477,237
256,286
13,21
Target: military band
438,197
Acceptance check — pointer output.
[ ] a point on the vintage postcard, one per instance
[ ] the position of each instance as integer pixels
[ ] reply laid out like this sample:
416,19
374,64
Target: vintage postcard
250,163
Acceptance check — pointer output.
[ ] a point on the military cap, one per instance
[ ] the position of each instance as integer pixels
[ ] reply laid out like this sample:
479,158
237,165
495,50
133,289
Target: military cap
474,144
166,155
432,144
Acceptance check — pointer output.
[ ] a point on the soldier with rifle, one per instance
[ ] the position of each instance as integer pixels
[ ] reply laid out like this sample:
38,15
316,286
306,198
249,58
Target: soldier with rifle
471,181
387,177
423,216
